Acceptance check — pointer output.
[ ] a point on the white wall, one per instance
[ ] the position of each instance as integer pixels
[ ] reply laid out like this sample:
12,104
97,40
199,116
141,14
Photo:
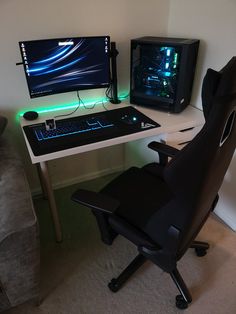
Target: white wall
214,23
31,19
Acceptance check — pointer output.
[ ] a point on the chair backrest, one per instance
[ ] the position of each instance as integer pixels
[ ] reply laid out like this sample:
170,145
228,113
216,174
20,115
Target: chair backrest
217,84
196,173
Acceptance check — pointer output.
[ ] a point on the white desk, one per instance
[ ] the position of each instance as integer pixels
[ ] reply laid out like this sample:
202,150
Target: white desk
190,117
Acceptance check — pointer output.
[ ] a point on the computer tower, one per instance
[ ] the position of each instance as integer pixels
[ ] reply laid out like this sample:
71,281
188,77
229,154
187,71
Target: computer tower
162,72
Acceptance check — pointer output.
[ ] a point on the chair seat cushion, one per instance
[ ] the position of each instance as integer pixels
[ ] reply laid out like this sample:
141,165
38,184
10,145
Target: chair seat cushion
137,189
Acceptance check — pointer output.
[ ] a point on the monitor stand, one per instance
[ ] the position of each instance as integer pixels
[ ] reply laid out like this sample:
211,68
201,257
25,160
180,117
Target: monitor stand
114,53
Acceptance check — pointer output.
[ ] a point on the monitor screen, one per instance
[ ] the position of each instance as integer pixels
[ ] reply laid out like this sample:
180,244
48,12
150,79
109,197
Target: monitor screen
67,64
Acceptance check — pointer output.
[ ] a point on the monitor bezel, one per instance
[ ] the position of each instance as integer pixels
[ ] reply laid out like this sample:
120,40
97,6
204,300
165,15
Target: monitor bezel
72,89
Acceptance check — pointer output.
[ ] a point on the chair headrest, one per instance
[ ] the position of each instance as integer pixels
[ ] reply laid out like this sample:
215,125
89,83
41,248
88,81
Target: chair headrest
227,84
218,84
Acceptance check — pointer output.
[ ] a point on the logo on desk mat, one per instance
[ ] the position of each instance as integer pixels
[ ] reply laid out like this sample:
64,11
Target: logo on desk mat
146,125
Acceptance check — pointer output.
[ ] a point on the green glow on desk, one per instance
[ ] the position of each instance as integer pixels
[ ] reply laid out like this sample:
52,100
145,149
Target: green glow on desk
52,108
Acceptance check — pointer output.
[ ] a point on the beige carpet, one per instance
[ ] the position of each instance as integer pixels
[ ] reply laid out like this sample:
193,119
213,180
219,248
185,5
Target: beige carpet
75,273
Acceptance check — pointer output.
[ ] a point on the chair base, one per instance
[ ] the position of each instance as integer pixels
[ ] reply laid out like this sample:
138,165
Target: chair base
200,247
184,298
116,283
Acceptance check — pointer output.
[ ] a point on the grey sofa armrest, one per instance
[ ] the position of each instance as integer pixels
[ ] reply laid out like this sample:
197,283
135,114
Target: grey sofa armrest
16,206
19,231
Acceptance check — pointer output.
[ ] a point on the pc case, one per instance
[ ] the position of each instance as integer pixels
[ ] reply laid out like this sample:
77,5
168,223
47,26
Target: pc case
162,72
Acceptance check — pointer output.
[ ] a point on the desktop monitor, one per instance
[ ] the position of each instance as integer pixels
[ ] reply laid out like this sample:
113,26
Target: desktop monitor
162,72
66,64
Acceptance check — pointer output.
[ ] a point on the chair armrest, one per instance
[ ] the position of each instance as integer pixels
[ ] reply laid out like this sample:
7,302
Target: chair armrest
163,149
96,201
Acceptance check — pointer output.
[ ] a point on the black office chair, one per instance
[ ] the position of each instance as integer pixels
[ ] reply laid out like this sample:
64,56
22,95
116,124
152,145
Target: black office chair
161,207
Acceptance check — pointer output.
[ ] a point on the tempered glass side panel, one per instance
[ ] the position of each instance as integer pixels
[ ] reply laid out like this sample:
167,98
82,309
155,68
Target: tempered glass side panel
154,71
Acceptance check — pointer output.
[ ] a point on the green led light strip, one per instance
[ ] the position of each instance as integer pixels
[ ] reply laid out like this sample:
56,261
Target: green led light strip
67,106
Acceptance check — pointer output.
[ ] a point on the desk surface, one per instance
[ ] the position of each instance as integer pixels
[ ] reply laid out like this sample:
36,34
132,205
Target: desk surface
170,122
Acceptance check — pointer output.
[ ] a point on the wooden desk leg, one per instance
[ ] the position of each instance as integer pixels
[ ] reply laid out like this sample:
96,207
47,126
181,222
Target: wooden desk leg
41,180
51,199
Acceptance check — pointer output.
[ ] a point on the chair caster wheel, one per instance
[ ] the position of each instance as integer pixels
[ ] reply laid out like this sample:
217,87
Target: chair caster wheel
200,252
113,285
180,302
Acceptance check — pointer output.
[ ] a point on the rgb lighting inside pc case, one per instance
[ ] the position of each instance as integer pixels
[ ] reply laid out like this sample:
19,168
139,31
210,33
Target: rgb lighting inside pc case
156,71
162,71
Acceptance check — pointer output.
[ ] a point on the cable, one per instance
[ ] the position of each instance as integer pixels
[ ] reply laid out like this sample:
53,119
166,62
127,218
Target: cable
80,99
106,92
68,114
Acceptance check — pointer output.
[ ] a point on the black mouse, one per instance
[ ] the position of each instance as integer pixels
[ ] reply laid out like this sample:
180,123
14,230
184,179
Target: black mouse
30,115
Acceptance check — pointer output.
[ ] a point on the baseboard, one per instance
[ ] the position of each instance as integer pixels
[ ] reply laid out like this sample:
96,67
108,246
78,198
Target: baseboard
227,218
89,176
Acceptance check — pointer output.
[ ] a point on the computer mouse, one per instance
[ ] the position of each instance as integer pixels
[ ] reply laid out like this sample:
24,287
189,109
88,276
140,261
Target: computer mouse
30,115
129,119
